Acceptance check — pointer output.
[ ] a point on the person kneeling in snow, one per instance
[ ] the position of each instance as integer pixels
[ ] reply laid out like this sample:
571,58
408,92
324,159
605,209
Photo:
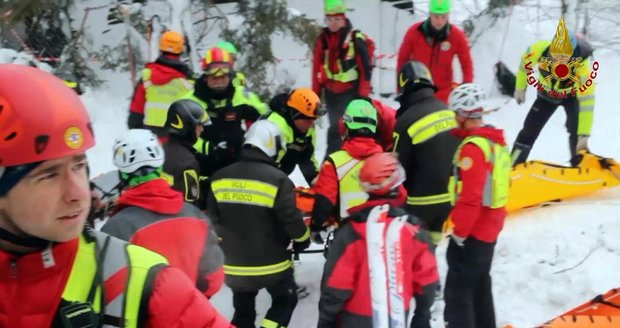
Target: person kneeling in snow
346,291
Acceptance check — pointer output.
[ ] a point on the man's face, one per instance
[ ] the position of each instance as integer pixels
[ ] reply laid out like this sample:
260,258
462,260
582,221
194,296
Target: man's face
219,83
335,22
51,202
199,129
303,124
439,21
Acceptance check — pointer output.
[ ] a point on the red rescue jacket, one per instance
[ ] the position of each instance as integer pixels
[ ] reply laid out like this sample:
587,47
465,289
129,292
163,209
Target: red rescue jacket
154,216
470,218
336,46
437,55
30,294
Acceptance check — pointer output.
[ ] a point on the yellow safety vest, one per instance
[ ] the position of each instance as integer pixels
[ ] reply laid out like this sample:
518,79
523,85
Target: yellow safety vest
497,183
109,256
584,93
241,97
160,97
422,130
289,134
253,193
239,80
352,73
350,191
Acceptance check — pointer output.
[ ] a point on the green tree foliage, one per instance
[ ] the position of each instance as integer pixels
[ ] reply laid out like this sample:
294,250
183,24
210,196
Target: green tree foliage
262,19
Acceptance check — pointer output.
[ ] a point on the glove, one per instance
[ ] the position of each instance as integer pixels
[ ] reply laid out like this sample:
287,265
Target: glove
460,241
582,142
299,246
520,96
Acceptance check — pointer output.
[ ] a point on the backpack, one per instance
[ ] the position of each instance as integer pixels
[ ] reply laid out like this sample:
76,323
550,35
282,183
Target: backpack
370,43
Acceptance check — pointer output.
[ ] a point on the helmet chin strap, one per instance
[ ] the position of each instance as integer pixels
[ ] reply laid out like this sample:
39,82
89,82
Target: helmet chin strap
30,241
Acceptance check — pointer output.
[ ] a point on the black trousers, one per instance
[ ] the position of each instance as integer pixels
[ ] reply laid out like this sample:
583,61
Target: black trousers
432,217
423,302
336,104
468,296
539,114
283,302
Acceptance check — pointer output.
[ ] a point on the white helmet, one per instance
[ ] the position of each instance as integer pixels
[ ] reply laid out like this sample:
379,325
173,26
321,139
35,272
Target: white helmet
137,148
468,100
266,136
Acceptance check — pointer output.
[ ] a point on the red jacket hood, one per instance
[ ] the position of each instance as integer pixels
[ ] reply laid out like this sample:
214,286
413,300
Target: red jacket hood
162,74
155,195
487,131
398,201
361,147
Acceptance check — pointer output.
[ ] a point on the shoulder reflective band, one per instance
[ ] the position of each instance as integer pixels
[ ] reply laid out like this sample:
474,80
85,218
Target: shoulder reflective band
431,125
246,192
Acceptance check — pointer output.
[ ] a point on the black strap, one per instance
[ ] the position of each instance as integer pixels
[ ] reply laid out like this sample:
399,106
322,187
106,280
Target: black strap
100,254
33,242
601,300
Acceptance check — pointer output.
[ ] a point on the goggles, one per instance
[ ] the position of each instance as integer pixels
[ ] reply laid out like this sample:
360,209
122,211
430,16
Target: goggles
217,71
350,119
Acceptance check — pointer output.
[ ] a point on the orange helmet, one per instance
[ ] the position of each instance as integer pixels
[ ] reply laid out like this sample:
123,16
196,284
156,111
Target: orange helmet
172,42
381,173
40,117
305,102
217,61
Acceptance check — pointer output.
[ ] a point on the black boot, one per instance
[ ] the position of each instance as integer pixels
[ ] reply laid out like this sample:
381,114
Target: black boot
520,152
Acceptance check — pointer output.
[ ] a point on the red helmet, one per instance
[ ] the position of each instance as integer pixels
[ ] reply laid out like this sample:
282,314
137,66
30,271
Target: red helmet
217,60
40,117
381,173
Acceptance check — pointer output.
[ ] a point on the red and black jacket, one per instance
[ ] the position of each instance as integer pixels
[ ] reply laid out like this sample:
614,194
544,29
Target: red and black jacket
154,216
345,288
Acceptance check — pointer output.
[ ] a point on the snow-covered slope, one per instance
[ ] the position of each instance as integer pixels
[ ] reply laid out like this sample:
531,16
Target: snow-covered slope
536,245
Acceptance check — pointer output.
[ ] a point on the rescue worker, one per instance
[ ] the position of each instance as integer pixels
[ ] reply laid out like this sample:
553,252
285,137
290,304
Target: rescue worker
435,42
425,147
341,68
346,287
54,272
151,214
337,188
231,108
295,113
386,122
161,83
185,122
479,188
252,204
572,93
239,78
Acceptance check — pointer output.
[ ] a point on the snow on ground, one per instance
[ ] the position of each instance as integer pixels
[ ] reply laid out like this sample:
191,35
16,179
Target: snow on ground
533,274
